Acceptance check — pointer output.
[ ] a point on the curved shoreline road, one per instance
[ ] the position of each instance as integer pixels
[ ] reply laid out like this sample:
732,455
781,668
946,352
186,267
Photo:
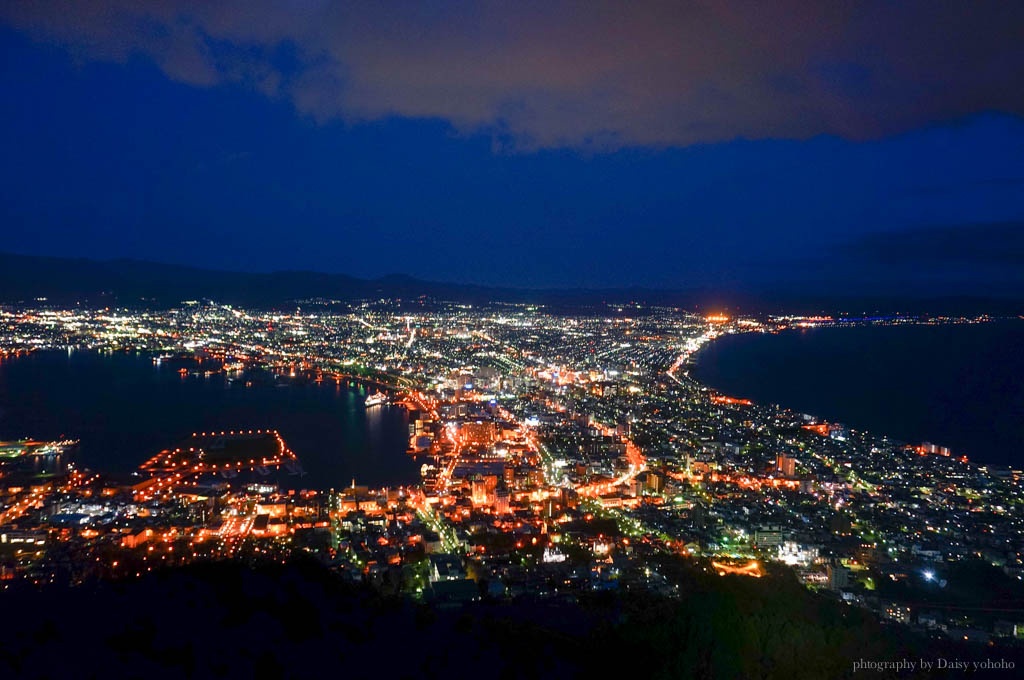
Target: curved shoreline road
691,347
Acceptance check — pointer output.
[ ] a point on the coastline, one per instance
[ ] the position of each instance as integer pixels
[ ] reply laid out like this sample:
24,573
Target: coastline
127,394
830,403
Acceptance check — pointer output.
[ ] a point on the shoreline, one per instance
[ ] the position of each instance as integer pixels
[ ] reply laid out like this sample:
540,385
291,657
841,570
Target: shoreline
689,368
243,410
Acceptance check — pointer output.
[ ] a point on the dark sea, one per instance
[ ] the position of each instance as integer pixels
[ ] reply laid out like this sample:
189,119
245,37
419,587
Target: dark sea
960,386
123,408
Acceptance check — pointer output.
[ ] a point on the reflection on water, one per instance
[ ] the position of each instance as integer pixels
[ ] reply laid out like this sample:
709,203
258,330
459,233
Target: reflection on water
123,408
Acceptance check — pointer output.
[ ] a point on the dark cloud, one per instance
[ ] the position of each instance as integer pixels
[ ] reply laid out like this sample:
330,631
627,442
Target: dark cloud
587,73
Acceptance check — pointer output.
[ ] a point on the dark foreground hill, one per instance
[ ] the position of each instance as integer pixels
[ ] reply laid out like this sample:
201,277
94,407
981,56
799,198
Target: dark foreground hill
299,620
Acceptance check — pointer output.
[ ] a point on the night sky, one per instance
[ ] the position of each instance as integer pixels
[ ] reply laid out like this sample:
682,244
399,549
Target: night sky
859,146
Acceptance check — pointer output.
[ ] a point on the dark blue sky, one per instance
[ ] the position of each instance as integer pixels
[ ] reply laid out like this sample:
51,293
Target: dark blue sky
116,150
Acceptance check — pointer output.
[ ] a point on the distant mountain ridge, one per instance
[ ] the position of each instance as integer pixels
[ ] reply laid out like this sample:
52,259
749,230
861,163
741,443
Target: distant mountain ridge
24,278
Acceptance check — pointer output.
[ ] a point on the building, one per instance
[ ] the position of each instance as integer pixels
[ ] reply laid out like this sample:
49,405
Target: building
502,500
482,489
767,538
479,433
446,568
838,576
654,482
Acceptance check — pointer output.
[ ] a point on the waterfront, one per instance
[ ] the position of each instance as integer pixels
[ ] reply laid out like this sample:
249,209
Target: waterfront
548,445
124,409
960,386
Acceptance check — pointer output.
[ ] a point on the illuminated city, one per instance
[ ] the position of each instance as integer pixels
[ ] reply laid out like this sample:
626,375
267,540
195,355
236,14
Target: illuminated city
559,455
516,340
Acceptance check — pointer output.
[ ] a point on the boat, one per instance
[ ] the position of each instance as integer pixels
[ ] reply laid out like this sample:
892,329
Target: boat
376,399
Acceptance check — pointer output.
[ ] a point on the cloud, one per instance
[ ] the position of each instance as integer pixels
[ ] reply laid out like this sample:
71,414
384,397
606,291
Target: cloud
590,73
